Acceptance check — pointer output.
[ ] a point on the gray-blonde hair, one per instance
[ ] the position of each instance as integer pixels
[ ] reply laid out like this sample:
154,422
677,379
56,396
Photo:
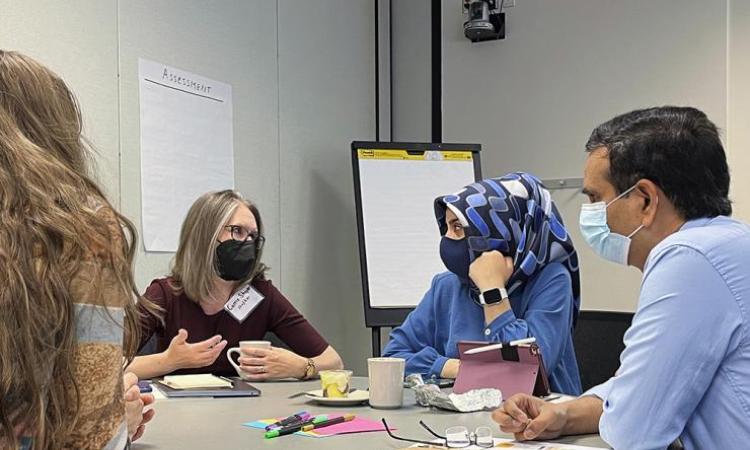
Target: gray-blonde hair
194,269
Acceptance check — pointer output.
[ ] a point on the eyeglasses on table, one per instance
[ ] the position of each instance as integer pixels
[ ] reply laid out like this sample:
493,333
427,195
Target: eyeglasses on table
455,437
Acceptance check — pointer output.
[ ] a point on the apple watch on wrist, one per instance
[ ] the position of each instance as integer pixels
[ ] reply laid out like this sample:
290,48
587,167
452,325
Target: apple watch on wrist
493,296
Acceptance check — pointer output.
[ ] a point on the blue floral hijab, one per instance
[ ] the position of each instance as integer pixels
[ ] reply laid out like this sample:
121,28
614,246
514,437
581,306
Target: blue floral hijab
516,216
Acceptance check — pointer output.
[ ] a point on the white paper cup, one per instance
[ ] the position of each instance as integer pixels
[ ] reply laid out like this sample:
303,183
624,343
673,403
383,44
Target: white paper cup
386,377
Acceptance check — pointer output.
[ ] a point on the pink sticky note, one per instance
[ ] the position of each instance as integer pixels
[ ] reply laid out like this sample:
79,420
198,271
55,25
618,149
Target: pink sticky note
357,425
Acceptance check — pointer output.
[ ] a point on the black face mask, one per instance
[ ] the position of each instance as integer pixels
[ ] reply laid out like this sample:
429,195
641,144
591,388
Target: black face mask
235,259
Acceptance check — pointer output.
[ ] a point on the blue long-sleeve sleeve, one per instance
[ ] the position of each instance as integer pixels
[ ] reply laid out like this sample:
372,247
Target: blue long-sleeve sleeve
414,340
447,314
670,382
547,317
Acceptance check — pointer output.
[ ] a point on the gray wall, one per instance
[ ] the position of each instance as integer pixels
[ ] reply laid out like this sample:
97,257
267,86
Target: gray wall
411,68
326,100
565,66
85,54
738,105
184,34
302,76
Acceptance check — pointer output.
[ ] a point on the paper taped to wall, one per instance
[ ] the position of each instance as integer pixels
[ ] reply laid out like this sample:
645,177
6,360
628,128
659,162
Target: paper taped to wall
186,147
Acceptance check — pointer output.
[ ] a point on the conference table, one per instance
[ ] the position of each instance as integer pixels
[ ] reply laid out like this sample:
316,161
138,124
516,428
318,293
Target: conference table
216,423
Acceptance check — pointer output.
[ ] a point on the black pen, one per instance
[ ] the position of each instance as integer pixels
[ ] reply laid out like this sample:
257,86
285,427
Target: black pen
328,423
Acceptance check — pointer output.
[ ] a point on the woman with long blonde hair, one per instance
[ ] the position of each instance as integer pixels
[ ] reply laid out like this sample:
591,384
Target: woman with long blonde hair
219,266
67,298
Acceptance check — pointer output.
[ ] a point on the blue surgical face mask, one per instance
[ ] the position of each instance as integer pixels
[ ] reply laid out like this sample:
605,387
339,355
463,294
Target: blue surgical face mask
593,222
455,256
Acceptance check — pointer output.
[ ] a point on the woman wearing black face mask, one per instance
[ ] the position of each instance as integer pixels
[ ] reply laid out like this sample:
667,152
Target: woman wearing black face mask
217,295
512,274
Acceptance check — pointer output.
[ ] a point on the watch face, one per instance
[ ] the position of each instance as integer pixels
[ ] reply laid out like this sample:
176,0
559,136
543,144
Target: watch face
492,296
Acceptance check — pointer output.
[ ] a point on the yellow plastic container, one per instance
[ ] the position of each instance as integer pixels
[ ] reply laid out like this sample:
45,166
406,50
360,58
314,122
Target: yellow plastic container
335,383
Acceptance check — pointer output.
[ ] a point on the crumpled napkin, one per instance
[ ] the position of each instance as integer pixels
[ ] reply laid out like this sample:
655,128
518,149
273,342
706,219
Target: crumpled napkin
474,400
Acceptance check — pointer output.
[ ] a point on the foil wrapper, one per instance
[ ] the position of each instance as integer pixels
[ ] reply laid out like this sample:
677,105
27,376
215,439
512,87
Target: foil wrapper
474,400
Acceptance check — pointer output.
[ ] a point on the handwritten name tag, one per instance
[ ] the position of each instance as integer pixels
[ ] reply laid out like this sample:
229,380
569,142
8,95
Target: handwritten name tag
243,302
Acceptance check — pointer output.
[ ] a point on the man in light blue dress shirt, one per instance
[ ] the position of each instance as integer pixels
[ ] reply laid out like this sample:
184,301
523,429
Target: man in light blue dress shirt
658,183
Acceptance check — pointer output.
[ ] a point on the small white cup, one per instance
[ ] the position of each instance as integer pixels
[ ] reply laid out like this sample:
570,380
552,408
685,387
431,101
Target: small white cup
238,350
386,377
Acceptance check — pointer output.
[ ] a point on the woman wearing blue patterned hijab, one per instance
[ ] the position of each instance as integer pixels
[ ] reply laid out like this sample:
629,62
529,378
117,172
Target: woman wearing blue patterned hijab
516,216
513,273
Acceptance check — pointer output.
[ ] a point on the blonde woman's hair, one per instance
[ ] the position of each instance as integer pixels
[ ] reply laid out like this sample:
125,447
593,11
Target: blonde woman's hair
194,270
55,224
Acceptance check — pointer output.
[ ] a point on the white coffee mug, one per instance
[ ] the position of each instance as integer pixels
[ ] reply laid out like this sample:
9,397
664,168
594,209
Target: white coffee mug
238,350
386,377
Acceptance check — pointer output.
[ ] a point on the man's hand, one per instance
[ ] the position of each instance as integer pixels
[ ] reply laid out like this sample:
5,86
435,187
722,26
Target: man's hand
530,417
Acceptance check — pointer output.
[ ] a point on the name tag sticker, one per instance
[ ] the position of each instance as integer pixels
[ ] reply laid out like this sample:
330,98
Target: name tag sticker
243,302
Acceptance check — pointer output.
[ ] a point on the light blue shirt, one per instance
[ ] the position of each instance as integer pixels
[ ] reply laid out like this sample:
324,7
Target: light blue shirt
685,370
447,314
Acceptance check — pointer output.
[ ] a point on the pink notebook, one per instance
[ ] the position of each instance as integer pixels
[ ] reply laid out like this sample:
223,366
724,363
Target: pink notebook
513,370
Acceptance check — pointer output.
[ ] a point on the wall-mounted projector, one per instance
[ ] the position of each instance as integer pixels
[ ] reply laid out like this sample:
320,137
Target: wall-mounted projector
486,20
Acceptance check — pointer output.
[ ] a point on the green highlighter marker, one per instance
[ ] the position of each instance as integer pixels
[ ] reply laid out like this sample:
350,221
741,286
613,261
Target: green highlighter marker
295,428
